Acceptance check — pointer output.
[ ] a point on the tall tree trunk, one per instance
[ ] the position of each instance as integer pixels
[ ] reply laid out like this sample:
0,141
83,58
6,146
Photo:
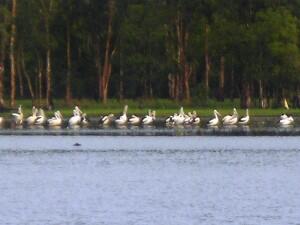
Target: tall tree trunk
187,70
19,73
27,76
69,67
104,79
48,76
221,78
40,77
121,83
98,68
184,67
261,95
246,96
1,84
12,56
171,85
2,67
207,61
47,13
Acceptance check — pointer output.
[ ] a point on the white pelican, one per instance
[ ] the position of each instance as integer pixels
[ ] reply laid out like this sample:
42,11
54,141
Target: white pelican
122,120
31,119
75,120
233,120
41,118
84,119
18,117
194,118
245,119
180,118
106,120
215,121
188,118
287,121
78,110
150,118
283,116
134,120
56,120
170,119
228,118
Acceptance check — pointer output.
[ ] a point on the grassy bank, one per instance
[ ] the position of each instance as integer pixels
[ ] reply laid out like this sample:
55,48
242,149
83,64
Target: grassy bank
163,107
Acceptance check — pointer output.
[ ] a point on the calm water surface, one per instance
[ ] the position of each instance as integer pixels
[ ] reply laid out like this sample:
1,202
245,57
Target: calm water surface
46,180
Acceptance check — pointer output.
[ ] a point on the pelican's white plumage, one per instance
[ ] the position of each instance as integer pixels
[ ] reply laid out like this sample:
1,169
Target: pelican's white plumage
230,119
31,119
192,118
41,118
56,120
75,120
150,118
106,120
134,120
179,118
84,119
283,116
245,119
18,117
287,121
215,121
122,120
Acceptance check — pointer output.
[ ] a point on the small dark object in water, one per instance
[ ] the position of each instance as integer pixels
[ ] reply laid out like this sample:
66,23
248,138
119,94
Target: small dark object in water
77,144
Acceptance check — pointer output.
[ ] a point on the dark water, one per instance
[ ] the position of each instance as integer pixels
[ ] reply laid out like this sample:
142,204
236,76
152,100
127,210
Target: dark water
149,180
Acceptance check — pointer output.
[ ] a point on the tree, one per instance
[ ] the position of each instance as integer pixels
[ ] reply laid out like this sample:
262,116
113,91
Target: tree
12,54
4,33
109,52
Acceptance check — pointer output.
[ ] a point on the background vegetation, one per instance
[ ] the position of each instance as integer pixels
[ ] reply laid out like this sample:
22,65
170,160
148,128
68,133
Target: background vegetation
195,52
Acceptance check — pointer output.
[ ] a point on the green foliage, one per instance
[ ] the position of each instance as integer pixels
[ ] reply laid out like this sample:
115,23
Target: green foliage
258,39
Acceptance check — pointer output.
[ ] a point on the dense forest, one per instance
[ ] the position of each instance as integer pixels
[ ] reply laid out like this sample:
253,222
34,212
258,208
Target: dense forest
178,49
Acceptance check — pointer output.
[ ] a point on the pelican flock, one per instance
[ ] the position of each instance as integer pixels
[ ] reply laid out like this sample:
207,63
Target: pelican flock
181,118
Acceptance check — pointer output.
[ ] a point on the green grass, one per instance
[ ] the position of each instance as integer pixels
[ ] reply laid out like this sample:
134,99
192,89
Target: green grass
163,107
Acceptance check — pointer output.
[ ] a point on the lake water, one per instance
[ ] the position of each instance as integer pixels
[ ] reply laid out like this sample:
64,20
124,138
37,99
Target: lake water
47,180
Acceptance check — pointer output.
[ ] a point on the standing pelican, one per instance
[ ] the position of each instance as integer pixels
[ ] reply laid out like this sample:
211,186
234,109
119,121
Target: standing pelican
75,120
194,118
245,119
170,119
31,119
56,120
122,120
231,120
150,118
283,116
107,120
84,119
41,118
215,121
18,117
180,118
228,118
287,121
134,120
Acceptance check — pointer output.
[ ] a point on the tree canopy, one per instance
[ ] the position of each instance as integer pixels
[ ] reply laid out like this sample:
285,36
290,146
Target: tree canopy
178,49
